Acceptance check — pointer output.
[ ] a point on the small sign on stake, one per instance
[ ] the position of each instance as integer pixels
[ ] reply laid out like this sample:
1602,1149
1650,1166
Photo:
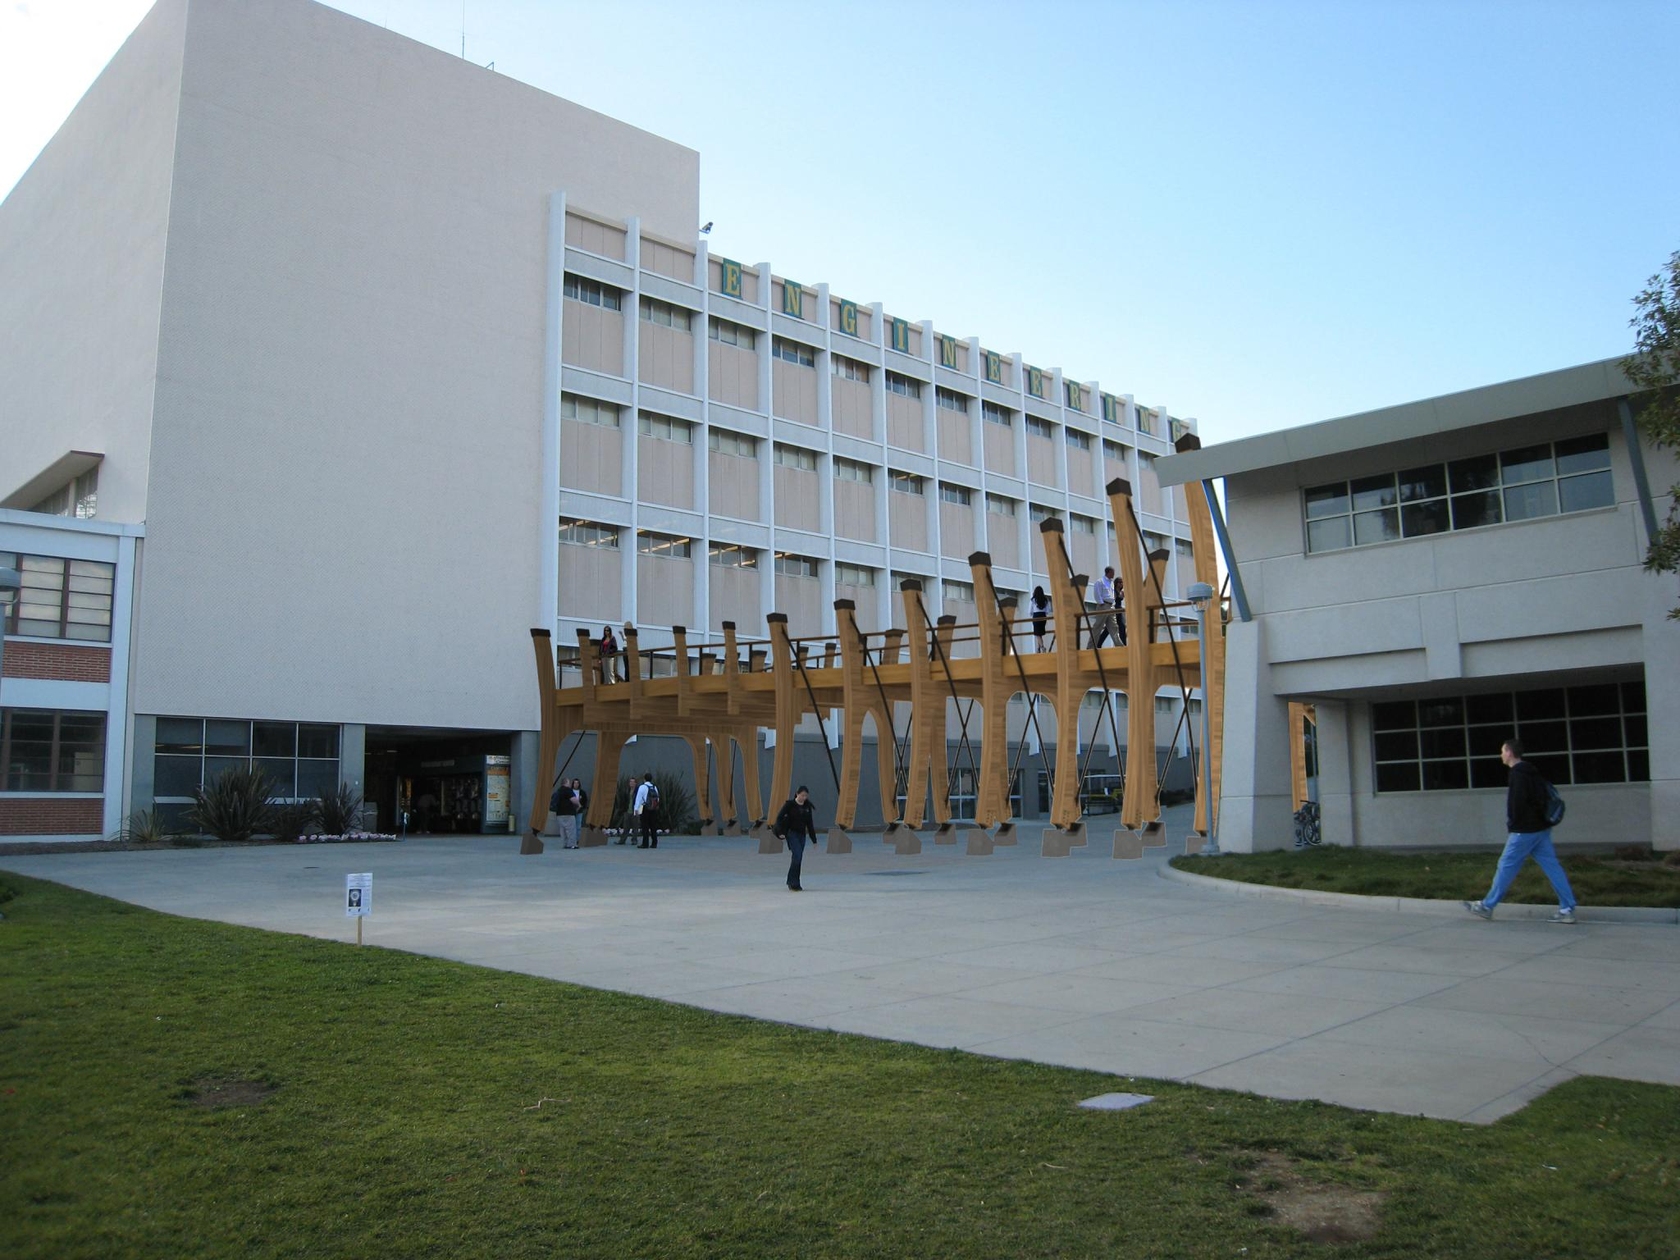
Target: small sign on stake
358,899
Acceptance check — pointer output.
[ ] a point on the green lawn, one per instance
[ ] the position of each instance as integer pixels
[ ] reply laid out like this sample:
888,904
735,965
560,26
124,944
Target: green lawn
415,1107
1597,881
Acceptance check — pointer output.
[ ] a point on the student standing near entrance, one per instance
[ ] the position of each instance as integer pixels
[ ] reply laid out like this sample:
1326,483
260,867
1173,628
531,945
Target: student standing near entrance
1526,800
646,809
796,824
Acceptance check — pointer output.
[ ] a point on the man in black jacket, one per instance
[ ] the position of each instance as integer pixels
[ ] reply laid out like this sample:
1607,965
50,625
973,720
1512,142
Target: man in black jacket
796,824
1530,837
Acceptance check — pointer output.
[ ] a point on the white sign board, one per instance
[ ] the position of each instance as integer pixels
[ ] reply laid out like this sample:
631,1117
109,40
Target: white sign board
358,895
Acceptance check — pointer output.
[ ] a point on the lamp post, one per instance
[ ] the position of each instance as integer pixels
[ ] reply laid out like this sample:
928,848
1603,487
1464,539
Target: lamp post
1201,595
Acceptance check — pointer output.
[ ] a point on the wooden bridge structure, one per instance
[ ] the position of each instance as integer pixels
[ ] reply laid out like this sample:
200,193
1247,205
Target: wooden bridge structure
719,696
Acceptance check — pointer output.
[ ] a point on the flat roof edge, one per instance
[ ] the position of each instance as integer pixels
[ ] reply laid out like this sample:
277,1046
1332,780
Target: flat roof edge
1485,404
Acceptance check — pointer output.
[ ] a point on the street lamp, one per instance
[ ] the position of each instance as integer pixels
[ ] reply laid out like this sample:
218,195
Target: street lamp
1201,595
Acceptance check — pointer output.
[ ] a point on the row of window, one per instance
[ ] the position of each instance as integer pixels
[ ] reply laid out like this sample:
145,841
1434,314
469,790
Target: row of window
61,599
43,750
78,498
300,758
669,315
1546,479
1588,734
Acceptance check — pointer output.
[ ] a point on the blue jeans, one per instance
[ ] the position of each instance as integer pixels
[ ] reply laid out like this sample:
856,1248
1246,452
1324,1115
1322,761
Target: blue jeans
796,846
1519,847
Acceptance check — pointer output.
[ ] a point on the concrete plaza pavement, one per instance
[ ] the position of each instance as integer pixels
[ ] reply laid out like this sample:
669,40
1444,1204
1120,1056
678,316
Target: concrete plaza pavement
1084,961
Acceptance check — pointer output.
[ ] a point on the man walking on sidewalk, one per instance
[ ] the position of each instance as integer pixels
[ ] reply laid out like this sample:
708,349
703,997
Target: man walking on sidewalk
1526,799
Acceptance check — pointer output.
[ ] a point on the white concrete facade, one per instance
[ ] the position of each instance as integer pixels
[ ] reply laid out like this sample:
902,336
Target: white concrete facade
1557,603
294,286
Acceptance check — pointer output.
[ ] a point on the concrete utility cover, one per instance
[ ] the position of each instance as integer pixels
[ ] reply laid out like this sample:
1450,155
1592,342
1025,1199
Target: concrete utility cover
1117,1102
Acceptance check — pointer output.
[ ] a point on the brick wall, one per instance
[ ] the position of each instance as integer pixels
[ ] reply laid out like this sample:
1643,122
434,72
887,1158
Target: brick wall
61,662
50,816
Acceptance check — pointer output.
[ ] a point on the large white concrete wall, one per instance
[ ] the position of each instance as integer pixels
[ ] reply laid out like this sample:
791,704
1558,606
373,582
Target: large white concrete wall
345,519
81,269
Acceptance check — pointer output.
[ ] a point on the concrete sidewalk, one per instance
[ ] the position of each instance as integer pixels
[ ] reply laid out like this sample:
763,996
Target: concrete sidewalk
1084,961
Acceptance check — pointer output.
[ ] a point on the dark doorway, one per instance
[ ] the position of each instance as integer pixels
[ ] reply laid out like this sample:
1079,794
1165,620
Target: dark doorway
439,782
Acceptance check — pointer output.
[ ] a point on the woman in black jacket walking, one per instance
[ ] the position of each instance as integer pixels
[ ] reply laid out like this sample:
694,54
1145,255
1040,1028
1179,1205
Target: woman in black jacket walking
796,824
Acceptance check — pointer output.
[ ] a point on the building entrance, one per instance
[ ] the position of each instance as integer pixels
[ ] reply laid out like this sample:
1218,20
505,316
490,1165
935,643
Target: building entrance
432,782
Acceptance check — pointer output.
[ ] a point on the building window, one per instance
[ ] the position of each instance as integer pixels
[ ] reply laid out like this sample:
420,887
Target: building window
588,411
1000,506
850,369
665,428
853,575
897,384
790,565
796,457
950,400
1596,733
589,534
900,578
1114,452
649,543
1040,428
61,599
728,334
593,293
1076,439
907,483
299,758
1038,512
960,495
793,352
725,442
994,414
1547,479
46,751
852,470
78,498
666,315
1083,524
1166,704
733,556
958,592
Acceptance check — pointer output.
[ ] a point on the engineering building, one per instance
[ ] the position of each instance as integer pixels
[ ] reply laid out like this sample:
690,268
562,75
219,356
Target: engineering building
1432,579
343,362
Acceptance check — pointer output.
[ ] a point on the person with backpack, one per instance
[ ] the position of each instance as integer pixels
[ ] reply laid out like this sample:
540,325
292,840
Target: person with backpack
1532,808
795,825
646,809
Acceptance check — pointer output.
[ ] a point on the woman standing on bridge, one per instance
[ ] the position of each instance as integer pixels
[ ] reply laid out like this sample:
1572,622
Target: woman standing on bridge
796,824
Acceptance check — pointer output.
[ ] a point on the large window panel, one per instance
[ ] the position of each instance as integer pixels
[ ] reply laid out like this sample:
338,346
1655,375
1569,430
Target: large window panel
42,750
1589,733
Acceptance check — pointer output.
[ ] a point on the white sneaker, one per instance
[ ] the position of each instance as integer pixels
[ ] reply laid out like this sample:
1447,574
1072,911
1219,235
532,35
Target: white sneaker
1479,910
1562,916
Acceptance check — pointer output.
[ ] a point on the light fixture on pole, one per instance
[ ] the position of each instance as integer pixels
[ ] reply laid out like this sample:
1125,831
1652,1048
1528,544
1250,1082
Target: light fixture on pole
1201,595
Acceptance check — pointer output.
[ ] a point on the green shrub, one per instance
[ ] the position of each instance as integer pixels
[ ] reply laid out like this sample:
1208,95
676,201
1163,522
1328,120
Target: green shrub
234,807
292,820
144,826
677,813
339,811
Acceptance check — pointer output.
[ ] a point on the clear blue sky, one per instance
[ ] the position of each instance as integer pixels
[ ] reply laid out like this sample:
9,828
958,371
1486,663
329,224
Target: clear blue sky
1256,214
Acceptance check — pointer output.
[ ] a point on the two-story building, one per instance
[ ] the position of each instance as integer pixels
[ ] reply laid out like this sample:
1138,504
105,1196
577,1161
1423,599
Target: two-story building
1433,579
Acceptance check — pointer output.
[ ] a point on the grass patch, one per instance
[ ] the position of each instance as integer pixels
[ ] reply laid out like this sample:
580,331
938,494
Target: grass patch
1597,881
405,1106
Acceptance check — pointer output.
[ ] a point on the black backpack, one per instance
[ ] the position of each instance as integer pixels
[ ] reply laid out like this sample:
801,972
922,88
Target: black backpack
652,801
1554,806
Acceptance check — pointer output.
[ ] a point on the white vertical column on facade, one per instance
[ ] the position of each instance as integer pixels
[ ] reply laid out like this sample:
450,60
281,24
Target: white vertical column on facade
549,453
117,720
977,445
930,443
767,466
878,436
701,627
631,428
1018,437
1099,475
825,475
1058,391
